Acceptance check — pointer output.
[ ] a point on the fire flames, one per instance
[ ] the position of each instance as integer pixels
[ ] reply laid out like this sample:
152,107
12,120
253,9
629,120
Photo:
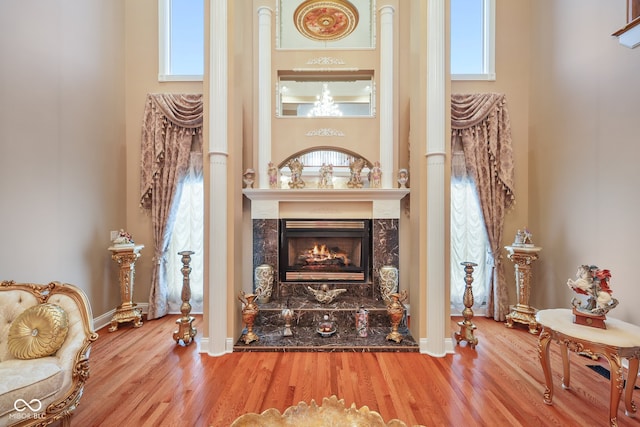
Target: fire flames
321,254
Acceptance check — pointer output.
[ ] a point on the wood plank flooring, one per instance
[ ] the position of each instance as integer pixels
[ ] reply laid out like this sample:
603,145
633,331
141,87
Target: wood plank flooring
140,377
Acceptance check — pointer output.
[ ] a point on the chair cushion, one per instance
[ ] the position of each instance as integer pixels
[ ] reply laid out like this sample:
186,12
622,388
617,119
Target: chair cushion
28,380
38,331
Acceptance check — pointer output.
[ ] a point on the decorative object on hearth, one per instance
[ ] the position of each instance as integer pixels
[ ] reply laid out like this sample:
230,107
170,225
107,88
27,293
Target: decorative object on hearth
296,166
249,177
326,176
272,171
395,310
523,253
326,20
287,314
263,277
186,331
594,296
325,295
249,312
375,176
326,327
355,177
466,326
362,322
403,177
388,282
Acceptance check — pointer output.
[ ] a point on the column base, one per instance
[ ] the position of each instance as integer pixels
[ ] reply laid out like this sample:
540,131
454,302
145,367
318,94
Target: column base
523,314
126,313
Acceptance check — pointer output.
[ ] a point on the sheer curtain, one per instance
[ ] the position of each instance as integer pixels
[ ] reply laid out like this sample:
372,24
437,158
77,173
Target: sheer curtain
171,131
481,141
468,243
188,235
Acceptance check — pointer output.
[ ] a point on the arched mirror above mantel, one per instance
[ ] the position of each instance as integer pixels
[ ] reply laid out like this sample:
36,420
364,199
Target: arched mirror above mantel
324,163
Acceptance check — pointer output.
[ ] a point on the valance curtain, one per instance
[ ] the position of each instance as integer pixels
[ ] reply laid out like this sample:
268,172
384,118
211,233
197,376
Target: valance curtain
171,145
481,147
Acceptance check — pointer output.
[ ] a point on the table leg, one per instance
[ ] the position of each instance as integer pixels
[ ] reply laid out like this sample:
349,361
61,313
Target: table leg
565,367
617,384
629,405
543,353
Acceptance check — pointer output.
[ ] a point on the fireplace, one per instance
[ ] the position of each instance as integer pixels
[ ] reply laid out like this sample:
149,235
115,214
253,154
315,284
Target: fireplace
336,250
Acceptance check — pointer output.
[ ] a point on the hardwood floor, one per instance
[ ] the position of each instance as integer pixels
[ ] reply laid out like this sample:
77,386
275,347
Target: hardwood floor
140,377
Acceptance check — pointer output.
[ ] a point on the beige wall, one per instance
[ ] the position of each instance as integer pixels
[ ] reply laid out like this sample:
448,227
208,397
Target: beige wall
141,73
583,130
62,145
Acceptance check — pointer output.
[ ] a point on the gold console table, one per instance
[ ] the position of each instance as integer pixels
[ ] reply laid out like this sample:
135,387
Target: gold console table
523,256
126,256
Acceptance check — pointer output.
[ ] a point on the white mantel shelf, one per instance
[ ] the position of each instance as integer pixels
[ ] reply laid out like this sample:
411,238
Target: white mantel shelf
265,203
325,195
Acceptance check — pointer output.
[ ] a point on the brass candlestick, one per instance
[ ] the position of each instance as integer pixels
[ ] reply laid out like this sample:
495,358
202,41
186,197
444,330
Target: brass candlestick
185,331
466,326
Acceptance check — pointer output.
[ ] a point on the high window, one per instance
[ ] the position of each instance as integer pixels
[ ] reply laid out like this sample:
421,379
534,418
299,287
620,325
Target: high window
473,40
181,44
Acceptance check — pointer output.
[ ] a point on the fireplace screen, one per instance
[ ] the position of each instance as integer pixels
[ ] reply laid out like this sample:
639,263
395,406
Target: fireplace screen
324,250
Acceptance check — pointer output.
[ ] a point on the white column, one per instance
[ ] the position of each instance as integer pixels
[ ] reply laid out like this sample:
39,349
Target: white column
216,305
436,300
264,95
386,96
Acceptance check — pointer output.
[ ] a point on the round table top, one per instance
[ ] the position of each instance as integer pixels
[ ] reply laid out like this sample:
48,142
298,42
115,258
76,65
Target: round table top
618,333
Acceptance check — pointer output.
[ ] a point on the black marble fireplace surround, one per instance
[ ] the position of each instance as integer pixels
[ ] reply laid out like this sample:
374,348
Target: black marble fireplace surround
383,243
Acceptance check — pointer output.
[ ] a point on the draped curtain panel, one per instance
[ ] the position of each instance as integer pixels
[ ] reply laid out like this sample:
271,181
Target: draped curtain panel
481,132
171,131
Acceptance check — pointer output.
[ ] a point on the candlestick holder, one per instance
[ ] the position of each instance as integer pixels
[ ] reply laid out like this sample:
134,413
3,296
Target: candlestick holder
186,331
466,326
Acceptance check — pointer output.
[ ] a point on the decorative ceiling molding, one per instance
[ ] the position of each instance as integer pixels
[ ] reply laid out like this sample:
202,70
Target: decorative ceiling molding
326,20
325,132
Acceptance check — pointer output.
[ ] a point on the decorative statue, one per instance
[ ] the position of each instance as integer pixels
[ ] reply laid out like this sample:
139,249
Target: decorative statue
593,283
273,175
403,177
375,176
326,176
249,177
355,166
249,312
296,166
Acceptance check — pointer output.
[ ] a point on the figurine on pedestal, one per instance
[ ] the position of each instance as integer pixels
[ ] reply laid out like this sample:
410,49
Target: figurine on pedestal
375,176
403,177
186,331
272,171
249,177
296,166
355,168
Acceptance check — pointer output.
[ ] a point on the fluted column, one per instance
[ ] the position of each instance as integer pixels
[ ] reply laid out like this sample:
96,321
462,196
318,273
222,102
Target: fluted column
215,343
264,95
436,299
386,96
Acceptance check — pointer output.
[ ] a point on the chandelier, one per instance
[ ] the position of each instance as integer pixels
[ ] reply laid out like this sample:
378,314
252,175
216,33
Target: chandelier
324,105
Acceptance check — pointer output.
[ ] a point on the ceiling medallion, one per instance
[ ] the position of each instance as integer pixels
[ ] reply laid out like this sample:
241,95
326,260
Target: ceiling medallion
326,20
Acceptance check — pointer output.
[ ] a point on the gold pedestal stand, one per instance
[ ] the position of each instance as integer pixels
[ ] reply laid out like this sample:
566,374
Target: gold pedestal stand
185,331
126,256
466,326
523,257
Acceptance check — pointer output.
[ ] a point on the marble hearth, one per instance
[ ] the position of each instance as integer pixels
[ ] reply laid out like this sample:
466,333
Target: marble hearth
381,209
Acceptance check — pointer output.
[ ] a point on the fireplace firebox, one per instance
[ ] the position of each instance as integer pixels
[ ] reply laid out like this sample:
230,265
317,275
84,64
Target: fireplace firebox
336,250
